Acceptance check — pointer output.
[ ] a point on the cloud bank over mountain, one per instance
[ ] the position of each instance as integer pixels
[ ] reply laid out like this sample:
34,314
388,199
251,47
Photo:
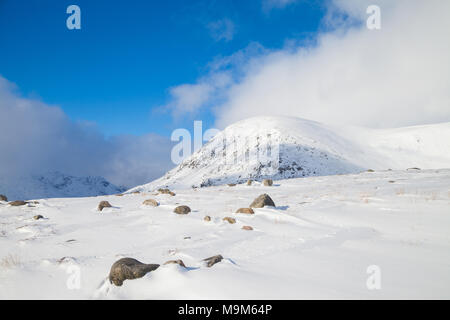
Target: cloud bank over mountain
396,76
37,138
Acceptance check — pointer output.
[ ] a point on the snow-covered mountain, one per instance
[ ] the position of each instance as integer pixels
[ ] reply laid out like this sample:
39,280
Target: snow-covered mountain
55,185
288,147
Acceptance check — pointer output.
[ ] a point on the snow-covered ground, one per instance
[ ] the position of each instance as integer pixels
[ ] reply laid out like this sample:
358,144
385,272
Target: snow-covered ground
317,243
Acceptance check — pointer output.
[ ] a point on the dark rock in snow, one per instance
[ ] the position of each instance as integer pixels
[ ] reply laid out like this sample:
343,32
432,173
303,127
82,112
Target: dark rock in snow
247,228
104,204
182,210
207,218
230,220
267,182
3,198
128,269
37,217
262,201
213,260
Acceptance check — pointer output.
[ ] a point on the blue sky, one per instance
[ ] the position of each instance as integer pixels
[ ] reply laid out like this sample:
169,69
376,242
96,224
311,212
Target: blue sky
118,69
137,70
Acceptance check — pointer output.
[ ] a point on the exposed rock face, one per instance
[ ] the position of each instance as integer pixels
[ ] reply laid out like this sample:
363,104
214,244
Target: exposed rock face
261,201
3,198
104,204
17,203
229,220
247,228
207,218
182,210
179,262
231,184
37,217
268,182
150,202
213,260
128,269
245,210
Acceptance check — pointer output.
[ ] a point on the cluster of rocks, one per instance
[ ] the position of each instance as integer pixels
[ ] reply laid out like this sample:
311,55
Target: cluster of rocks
130,268
265,182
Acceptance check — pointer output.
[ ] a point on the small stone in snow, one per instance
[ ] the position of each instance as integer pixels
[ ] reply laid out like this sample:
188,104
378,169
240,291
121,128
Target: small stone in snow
104,204
182,210
213,260
230,220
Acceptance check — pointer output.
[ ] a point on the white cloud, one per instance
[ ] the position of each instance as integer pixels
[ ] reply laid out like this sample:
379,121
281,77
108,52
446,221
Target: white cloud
396,76
223,29
36,138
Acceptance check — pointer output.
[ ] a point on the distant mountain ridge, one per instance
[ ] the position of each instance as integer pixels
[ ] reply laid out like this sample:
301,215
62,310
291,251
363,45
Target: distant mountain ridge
55,185
305,148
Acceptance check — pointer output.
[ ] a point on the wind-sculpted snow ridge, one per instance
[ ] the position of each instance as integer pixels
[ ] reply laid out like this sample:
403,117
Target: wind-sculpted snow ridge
55,185
287,147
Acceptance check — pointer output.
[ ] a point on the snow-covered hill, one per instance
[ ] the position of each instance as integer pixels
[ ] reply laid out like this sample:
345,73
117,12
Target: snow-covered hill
55,185
287,147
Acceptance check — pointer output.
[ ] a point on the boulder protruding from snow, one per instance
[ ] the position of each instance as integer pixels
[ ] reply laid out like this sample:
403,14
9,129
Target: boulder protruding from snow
38,217
3,198
213,260
249,182
262,201
247,228
128,269
151,202
267,182
182,210
207,218
104,204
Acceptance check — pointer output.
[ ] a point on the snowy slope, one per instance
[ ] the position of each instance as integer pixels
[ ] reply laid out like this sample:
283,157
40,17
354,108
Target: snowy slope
55,185
300,148
318,242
